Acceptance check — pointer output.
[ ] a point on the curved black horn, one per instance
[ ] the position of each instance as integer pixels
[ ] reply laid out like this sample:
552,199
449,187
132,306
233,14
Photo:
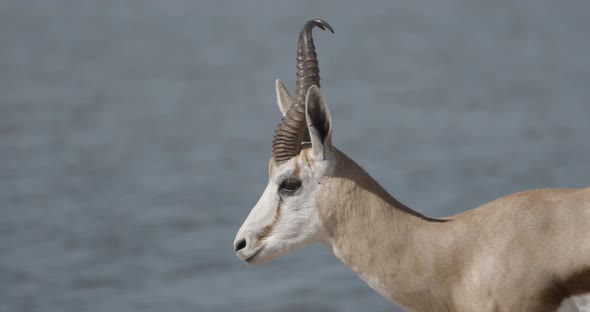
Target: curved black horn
308,72
289,134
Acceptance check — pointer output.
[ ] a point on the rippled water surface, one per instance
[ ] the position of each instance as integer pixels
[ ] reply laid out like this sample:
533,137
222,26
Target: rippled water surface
134,136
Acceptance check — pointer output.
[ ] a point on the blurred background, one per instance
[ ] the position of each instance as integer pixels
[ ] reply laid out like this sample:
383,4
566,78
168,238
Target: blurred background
135,135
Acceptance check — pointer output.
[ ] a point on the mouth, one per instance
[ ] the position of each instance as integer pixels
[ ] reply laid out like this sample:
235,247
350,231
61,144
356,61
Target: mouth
251,257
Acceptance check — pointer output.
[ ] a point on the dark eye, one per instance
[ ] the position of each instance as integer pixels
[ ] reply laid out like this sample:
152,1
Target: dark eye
289,185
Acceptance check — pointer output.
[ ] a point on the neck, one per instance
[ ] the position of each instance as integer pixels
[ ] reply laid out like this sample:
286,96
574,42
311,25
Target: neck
394,249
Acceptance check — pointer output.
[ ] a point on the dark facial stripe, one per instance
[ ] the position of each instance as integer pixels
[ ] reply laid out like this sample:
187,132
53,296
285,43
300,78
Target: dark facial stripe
268,229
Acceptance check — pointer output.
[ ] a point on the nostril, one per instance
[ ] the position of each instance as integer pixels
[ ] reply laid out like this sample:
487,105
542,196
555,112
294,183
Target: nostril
241,244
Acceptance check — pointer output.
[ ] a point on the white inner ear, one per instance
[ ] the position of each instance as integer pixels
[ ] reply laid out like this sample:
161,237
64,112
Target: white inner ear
319,123
284,99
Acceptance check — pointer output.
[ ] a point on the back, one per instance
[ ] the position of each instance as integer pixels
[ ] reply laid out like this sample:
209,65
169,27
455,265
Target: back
536,241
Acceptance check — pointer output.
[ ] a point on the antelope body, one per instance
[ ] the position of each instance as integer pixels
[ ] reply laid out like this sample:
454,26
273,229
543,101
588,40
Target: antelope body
524,252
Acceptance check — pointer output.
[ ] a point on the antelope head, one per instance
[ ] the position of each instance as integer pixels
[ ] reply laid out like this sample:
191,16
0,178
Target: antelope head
286,215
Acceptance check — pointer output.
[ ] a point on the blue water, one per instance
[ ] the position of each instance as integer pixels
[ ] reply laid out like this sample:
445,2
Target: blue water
135,135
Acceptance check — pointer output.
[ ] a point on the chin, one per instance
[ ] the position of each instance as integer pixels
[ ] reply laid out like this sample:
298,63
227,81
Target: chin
266,255
260,258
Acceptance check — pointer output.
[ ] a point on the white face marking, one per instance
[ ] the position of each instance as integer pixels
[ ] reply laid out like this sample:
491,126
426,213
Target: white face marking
283,221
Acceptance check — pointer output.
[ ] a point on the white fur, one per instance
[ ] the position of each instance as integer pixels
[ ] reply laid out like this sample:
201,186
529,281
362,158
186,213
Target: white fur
575,304
298,223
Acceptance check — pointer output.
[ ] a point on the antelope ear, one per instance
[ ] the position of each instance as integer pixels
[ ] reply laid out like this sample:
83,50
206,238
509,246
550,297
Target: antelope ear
319,124
284,99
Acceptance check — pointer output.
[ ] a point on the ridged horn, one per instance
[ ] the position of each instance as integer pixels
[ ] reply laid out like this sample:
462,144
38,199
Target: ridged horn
289,134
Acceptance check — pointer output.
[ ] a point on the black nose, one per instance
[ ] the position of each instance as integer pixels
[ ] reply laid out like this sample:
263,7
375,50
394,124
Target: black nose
241,244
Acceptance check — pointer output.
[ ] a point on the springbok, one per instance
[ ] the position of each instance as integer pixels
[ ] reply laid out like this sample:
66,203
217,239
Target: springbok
523,252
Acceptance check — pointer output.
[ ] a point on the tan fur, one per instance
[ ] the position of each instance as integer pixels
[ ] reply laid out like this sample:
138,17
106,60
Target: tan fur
296,171
523,252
